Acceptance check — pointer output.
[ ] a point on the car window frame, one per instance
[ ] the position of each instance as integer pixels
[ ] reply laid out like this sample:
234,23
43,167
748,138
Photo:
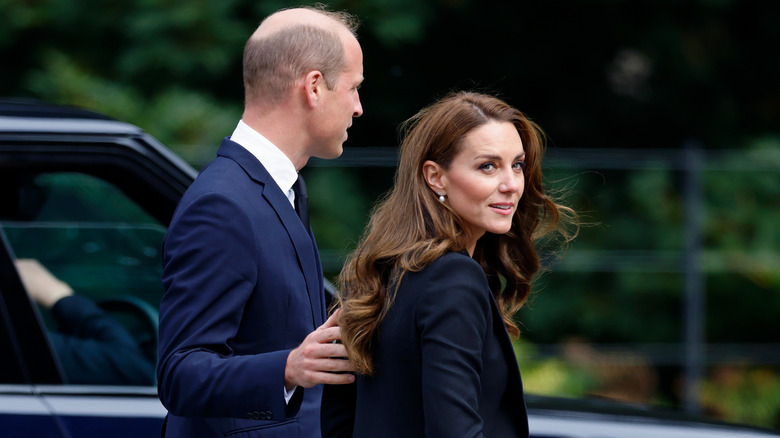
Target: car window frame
133,161
28,339
119,153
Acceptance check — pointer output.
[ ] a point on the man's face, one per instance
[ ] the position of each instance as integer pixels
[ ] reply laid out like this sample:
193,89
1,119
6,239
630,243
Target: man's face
339,105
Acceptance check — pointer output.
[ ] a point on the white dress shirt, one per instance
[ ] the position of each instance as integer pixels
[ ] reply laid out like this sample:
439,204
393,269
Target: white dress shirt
278,166
271,157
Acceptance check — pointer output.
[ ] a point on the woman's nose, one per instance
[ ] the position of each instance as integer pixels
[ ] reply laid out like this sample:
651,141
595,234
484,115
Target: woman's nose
510,182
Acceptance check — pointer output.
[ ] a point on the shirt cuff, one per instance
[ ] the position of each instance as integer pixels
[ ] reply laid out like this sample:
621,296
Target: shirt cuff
288,394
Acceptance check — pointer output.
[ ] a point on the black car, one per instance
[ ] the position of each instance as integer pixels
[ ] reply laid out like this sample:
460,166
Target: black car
90,198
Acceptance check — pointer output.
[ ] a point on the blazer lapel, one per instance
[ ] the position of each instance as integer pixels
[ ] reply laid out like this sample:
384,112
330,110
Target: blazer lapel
506,346
304,248
302,239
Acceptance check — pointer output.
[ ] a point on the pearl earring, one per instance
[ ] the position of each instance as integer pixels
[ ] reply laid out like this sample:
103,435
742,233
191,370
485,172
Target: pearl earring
441,197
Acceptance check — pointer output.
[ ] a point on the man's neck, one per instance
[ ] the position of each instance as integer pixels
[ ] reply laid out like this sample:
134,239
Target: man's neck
280,126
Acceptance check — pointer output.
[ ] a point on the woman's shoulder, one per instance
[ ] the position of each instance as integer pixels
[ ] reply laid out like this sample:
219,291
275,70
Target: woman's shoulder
453,274
455,262
454,286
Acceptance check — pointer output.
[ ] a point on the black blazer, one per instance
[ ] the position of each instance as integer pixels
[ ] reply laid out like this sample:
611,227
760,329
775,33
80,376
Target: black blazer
444,364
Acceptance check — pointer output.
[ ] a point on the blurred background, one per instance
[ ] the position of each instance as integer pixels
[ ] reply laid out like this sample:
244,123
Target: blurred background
663,120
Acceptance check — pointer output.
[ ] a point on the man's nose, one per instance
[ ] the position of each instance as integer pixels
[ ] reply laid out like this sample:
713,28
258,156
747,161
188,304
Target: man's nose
358,107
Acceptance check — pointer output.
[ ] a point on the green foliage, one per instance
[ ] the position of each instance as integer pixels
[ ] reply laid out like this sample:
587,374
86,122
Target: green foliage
340,201
63,80
744,394
191,40
177,116
551,376
742,204
395,22
336,194
189,117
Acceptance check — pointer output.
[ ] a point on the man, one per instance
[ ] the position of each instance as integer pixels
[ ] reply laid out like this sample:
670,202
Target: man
243,341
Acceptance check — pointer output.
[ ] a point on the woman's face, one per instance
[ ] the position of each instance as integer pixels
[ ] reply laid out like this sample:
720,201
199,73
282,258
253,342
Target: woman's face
485,179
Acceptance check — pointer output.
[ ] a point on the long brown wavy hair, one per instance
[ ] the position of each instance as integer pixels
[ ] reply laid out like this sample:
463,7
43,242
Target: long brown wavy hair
410,228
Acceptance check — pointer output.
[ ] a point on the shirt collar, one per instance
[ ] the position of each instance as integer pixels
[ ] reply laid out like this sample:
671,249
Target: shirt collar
271,157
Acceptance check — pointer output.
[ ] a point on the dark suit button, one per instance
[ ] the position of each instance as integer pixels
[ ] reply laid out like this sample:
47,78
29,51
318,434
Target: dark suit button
254,415
268,415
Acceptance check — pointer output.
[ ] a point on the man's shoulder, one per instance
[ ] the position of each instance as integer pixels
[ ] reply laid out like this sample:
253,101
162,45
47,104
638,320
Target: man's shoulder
232,166
221,182
221,175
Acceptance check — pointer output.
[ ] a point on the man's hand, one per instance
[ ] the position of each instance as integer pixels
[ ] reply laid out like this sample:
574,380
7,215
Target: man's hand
44,288
318,359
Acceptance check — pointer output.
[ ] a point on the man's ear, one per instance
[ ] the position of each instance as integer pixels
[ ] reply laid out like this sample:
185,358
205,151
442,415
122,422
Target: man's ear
313,85
434,176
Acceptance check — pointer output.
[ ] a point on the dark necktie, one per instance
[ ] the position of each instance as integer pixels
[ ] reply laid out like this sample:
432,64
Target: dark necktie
301,201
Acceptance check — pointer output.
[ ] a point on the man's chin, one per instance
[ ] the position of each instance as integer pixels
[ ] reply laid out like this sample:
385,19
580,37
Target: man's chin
331,153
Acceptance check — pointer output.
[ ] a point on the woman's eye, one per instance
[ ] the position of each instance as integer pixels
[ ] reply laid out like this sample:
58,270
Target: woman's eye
520,165
487,166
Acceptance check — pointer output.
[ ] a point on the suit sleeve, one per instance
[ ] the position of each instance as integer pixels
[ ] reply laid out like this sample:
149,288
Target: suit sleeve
94,348
453,318
209,273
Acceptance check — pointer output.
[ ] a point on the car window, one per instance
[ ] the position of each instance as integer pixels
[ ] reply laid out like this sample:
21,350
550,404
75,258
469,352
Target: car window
87,233
73,196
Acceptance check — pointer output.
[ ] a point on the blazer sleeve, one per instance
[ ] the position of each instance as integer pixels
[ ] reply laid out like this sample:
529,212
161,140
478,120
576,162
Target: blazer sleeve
94,348
209,273
454,317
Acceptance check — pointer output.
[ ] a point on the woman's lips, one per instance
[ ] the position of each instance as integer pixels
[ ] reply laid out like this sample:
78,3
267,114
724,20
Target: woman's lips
502,207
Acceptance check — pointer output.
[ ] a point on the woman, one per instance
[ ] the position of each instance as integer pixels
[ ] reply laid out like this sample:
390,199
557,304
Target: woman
447,260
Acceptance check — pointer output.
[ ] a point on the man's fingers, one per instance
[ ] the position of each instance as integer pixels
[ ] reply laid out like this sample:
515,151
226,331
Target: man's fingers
325,335
319,359
322,345
334,379
341,366
335,350
333,321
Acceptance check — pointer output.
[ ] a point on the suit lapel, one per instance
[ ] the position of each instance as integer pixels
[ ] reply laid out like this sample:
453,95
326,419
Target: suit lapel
304,248
515,402
302,239
506,347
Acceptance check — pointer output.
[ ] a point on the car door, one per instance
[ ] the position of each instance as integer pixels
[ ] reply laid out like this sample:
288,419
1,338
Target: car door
26,359
89,200
90,235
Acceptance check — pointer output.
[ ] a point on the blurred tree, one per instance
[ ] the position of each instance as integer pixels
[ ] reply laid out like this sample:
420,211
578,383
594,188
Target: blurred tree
592,72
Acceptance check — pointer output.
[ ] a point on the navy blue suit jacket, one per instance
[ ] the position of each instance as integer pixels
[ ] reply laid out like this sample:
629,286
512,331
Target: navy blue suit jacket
243,287
444,364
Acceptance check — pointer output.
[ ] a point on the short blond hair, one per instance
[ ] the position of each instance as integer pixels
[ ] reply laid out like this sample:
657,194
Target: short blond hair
274,62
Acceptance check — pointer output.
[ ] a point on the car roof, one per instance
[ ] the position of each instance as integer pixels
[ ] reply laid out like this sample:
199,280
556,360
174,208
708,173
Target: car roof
36,135
23,107
26,115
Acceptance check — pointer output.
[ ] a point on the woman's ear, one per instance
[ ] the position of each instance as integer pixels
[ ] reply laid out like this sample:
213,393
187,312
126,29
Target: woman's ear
434,176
